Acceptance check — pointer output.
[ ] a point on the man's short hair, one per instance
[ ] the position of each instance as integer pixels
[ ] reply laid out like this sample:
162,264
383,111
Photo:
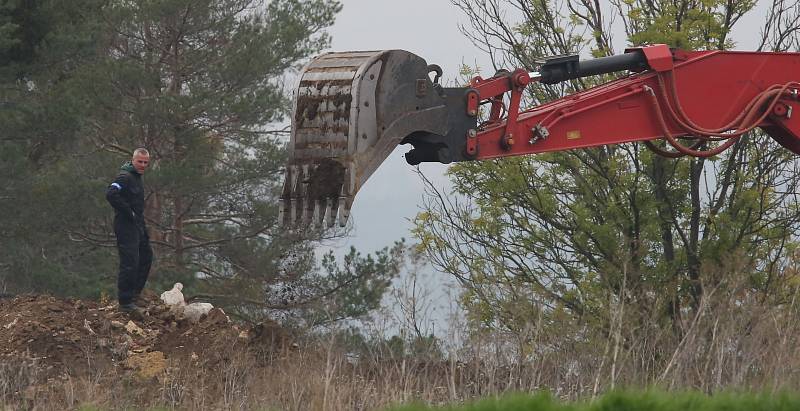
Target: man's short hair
141,150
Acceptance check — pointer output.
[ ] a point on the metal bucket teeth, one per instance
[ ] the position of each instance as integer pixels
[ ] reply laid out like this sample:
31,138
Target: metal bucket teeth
313,192
351,110
331,209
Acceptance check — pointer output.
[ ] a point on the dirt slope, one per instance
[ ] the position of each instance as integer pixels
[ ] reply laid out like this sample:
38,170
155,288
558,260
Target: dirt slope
82,338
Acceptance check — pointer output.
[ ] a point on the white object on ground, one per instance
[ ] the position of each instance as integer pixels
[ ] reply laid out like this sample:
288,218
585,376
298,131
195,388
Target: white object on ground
194,311
174,296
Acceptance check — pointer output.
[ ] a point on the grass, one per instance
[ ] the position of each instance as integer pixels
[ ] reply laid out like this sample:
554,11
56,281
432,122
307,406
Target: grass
627,401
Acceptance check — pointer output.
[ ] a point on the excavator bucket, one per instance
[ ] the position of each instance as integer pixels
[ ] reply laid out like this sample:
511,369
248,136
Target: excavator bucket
351,110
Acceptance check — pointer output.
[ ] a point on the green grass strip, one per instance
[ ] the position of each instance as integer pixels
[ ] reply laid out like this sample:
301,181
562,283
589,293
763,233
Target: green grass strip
628,401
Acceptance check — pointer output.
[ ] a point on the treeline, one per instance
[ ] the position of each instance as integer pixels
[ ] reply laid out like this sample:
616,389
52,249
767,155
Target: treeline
201,85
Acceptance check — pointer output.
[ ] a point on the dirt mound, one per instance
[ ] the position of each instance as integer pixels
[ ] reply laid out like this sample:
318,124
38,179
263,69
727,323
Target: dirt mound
79,338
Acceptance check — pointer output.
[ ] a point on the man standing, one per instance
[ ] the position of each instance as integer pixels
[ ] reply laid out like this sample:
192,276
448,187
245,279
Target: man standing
126,195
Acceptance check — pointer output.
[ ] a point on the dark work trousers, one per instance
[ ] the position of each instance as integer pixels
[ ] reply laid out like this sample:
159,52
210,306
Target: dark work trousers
135,258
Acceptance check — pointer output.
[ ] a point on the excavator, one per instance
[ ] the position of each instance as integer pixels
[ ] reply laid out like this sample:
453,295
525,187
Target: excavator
353,108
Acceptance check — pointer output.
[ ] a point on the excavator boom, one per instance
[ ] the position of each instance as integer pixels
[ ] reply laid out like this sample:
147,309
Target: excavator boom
352,109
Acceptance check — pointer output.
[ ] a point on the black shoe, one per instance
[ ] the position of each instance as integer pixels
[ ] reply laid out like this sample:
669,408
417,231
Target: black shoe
134,311
129,307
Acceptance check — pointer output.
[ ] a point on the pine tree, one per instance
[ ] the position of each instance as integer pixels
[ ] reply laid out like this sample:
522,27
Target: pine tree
201,85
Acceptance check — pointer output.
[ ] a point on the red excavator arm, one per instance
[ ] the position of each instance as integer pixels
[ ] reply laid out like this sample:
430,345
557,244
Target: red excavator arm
705,95
353,108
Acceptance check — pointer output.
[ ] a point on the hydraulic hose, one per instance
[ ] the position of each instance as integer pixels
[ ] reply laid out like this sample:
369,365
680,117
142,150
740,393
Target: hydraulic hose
744,122
674,142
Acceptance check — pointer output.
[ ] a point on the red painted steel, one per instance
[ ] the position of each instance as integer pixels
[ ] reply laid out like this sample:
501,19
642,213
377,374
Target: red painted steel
659,57
713,89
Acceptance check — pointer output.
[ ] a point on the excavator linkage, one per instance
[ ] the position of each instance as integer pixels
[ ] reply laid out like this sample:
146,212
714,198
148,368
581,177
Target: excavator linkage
353,108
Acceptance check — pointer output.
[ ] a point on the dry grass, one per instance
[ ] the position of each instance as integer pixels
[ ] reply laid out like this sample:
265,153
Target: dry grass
735,341
744,347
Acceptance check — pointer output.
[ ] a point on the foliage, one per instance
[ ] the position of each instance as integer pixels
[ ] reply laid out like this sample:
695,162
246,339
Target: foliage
689,25
44,43
201,85
370,346
196,83
562,240
342,290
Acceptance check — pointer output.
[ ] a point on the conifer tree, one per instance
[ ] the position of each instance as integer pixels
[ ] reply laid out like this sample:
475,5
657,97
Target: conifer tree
202,85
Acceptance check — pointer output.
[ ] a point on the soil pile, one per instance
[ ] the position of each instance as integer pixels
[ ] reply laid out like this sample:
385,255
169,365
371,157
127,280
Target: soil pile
75,338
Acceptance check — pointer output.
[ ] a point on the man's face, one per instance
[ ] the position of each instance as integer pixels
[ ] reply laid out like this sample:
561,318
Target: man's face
140,162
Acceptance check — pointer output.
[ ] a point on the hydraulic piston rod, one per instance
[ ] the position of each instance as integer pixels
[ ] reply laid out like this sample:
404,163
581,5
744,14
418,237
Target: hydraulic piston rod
562,68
